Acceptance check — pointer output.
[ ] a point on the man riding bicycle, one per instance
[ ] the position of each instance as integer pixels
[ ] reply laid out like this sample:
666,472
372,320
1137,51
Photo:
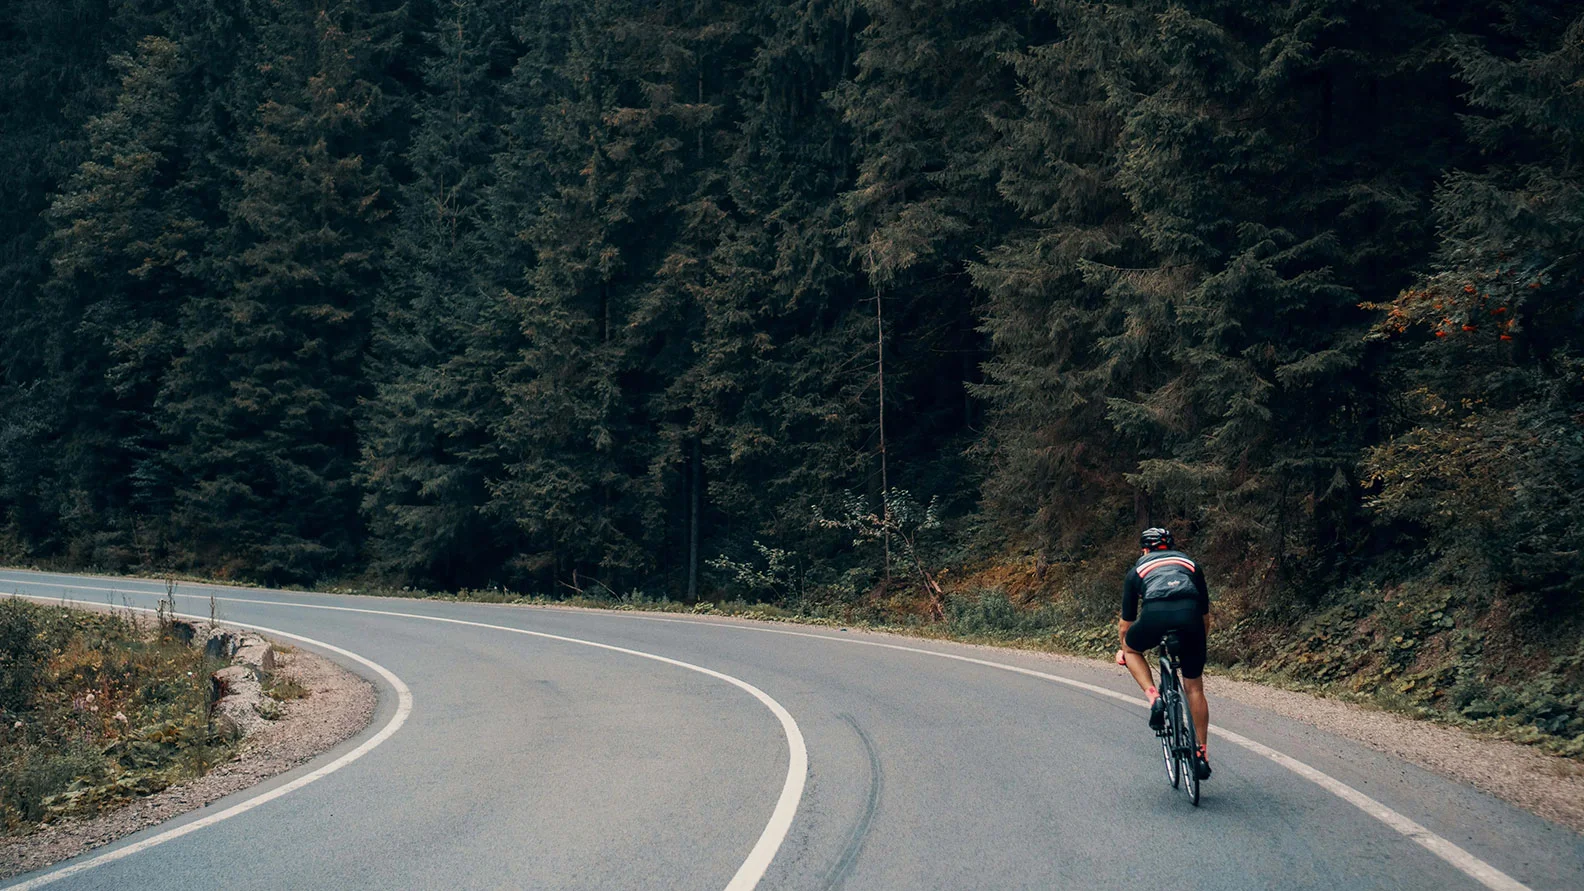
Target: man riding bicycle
1165,592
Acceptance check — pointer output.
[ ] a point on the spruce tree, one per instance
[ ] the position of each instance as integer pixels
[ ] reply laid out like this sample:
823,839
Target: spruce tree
928,78
1484,463
1212,223
259,406
126,243
53,56
427,451
769,391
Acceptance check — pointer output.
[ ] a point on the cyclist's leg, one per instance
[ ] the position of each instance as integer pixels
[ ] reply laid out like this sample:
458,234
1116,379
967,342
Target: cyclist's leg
1192,638
1199,706
1142,636
1139,668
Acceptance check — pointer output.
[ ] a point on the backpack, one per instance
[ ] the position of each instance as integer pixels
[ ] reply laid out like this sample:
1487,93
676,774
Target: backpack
1167,575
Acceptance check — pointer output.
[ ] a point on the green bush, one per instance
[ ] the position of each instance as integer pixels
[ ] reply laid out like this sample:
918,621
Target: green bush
22,654
991,613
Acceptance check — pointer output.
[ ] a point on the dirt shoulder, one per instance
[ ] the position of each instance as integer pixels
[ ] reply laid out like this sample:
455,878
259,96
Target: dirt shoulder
339,704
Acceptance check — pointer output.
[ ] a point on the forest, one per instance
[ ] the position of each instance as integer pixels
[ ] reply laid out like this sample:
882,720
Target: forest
809,302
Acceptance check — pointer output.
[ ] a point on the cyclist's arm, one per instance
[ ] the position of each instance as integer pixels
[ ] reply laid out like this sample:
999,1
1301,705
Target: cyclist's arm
1202,594
1132,587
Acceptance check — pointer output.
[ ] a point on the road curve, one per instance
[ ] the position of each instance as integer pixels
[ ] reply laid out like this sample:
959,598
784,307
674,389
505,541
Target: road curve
550,748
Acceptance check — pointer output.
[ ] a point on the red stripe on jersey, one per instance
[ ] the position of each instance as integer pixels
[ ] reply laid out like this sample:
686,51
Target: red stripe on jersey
1149,567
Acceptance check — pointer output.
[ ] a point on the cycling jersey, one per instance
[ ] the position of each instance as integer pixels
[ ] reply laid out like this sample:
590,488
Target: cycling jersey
1162,576
1165,592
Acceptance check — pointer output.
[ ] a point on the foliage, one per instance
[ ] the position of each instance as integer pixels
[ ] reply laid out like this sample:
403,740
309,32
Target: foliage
780,578
111,711
565,297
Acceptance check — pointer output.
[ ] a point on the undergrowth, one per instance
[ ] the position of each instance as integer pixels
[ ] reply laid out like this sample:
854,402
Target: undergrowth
95,709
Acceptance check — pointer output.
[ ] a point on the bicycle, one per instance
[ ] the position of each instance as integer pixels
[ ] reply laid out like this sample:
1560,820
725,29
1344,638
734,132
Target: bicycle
1179,742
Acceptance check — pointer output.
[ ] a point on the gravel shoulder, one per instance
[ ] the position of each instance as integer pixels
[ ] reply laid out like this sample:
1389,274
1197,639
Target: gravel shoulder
1547,786
339,704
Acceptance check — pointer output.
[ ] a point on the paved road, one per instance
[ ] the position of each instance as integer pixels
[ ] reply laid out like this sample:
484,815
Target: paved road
533,761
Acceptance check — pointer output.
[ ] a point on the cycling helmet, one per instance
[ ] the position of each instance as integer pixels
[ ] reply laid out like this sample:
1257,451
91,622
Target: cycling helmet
1156,537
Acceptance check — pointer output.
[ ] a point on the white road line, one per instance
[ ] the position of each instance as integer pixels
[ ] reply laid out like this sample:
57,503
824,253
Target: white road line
404,704
1462,860
1458,858
770,840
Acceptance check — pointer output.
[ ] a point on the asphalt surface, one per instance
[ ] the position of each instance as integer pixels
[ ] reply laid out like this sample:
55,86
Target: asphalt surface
532,762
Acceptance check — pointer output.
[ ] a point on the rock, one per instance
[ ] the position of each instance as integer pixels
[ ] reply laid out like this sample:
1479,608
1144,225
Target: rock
237,709
220,644
254,651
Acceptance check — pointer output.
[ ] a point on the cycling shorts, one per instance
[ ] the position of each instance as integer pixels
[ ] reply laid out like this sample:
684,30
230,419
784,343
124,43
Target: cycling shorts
1181,616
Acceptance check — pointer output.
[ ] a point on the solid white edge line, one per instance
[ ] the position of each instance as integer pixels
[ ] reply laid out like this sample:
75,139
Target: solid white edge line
1459,859
759,857
404,704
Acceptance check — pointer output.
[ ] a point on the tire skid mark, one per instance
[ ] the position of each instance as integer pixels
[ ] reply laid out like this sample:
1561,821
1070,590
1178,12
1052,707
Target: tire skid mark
844,864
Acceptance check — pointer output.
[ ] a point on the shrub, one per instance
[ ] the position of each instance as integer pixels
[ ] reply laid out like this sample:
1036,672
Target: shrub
22,654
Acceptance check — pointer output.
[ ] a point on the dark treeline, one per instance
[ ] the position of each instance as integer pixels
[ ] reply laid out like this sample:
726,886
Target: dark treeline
669,296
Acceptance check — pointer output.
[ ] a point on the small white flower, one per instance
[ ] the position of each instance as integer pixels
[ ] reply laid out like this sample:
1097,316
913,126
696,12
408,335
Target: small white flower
17,726
119,716
90,697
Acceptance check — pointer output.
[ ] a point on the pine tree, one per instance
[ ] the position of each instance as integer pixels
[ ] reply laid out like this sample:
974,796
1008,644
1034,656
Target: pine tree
769,393
1219,220
125,244
428,453
615,132
1484,462
259,406
927,80
52,63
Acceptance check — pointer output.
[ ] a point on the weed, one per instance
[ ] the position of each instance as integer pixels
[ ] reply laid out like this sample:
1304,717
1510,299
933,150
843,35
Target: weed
284,687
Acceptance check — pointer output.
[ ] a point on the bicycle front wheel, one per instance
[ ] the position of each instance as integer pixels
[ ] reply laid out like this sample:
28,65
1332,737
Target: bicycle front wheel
1173,766
1188,751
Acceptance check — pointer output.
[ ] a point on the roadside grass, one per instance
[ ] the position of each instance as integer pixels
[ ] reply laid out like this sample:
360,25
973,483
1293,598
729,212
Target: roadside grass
96,709
284,688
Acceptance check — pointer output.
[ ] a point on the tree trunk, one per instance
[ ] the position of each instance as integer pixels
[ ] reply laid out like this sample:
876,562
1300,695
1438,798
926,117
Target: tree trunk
885,483
696,485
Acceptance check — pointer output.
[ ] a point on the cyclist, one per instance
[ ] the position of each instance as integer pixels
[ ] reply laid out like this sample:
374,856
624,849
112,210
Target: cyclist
1165,591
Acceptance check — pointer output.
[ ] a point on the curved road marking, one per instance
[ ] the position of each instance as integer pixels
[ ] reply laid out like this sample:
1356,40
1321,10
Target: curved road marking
1458,858
748,875
1462,860
404,704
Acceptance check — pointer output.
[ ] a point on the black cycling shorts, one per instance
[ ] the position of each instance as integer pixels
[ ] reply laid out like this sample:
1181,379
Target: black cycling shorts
1181,616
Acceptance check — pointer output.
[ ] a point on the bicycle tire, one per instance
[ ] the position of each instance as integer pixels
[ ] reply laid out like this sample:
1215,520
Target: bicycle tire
1169,693
1168,748
1187,765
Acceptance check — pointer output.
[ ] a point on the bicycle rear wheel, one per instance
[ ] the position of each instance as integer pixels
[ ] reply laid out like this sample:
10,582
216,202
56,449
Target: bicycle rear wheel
1168,694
